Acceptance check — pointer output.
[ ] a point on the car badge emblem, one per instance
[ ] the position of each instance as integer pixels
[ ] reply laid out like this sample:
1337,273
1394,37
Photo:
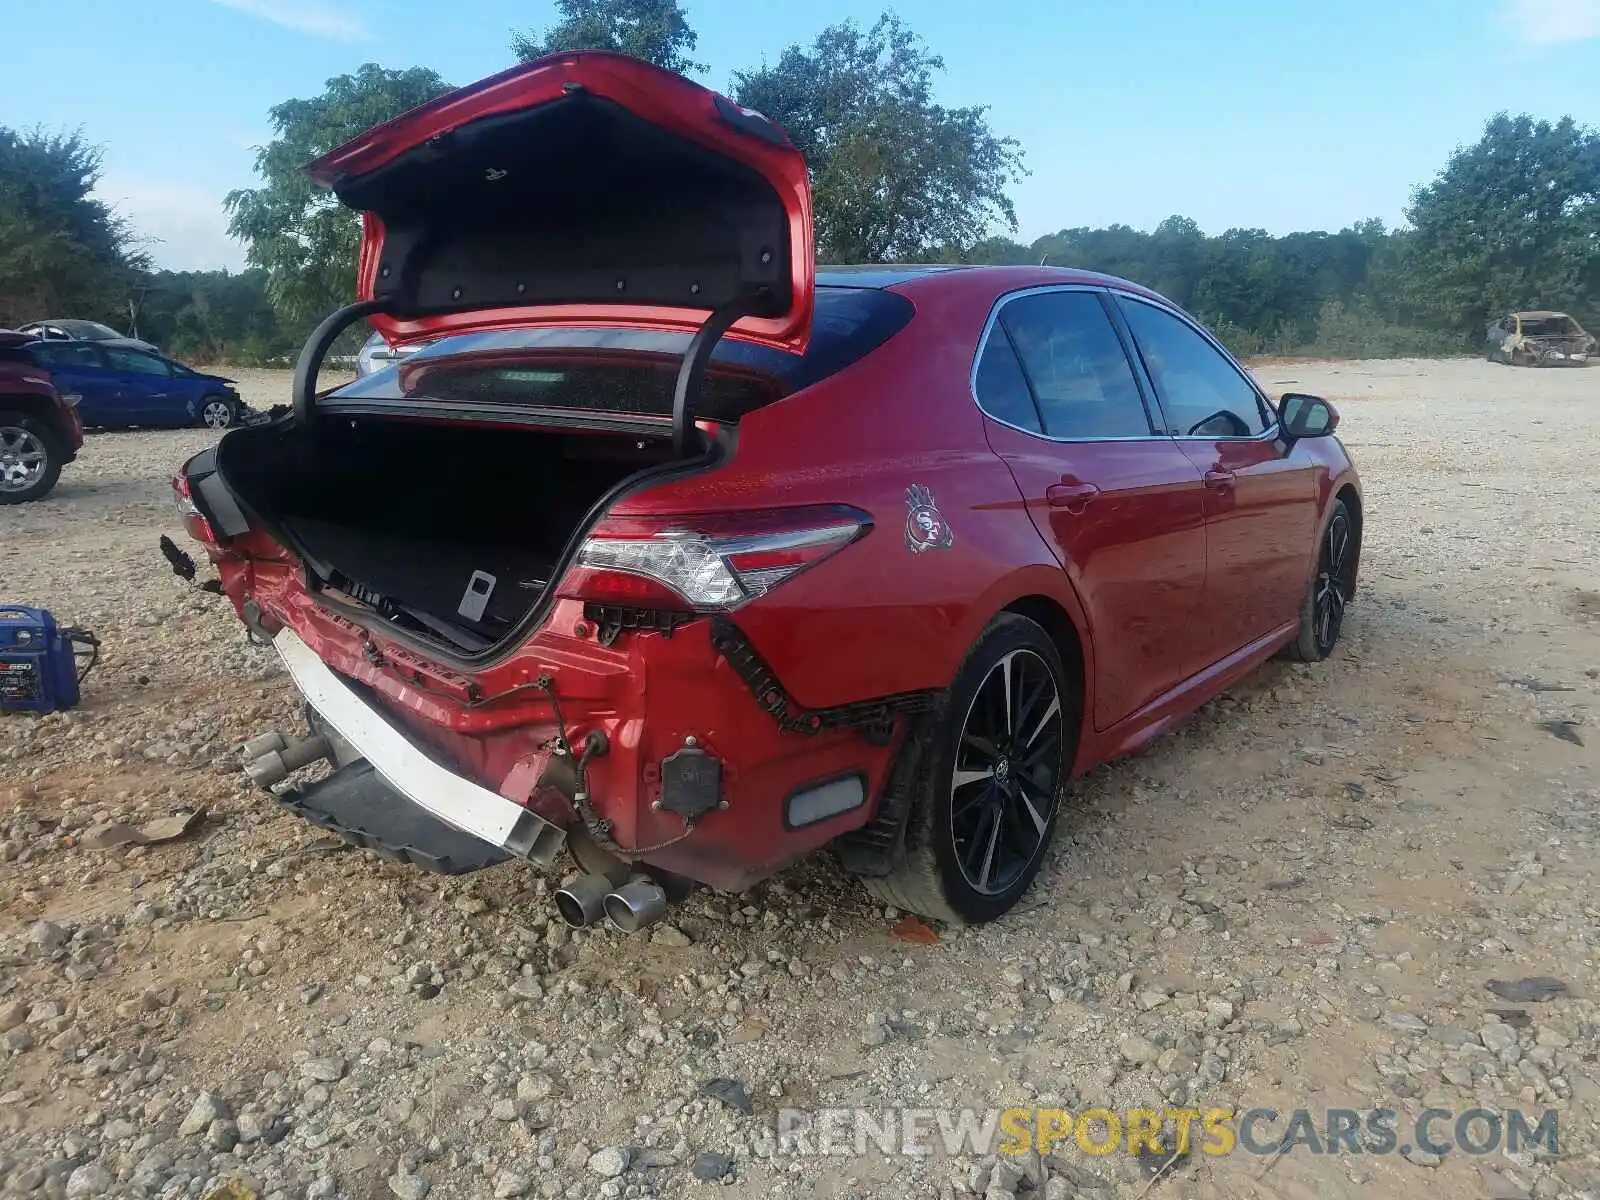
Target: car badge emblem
925,524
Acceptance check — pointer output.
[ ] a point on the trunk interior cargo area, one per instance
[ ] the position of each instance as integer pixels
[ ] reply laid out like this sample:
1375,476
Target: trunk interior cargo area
409,518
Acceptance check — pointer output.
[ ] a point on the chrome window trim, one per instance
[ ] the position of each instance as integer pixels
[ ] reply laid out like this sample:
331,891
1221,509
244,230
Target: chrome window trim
1271,433
983,344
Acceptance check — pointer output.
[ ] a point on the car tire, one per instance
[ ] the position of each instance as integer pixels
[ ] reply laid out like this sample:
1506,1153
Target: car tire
973,845
1333,585
27,477
218,412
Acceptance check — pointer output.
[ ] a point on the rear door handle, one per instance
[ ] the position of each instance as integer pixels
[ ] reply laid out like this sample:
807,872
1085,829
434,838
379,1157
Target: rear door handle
1218,479
1071,496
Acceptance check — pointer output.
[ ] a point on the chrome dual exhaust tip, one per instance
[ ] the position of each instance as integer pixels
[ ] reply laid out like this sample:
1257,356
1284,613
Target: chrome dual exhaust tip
272,757
633,907
636,905
581,901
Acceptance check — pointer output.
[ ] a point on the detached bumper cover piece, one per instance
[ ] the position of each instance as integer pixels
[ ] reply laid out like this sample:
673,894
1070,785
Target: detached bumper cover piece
458,802
355,803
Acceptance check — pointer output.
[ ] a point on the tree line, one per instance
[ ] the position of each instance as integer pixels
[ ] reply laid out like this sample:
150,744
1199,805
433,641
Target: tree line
1511,221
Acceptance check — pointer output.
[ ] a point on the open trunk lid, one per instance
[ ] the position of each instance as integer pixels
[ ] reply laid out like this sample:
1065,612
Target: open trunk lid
582,188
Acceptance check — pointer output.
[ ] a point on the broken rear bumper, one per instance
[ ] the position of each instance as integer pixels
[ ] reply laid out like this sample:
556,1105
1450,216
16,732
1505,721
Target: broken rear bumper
355,803
448,798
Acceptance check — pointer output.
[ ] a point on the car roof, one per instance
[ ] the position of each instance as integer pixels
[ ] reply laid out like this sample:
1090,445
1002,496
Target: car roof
116,343
1005,278
876,275
1540,314
72,323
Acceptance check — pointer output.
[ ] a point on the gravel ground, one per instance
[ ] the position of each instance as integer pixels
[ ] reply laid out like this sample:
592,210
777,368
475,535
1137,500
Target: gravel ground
1297,900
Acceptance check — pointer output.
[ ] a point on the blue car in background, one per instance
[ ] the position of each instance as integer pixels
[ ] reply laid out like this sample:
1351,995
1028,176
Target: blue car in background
120,386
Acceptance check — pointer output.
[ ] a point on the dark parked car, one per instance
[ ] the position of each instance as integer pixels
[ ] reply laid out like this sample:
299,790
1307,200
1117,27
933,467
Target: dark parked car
123,387
879,571
68,330
39,427
1539,339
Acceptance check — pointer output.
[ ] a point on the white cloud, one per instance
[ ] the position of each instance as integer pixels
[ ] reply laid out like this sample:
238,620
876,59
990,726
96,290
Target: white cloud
304,16
181,228
1551,22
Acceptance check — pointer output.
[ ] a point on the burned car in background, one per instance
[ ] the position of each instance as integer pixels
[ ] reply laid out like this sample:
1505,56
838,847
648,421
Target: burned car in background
1539,338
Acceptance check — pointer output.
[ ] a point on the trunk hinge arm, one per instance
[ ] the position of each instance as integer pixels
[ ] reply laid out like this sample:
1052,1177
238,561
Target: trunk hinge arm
691,375
304,392
697,359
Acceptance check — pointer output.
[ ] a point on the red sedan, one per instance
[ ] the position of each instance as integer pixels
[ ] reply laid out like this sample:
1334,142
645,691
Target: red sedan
678,554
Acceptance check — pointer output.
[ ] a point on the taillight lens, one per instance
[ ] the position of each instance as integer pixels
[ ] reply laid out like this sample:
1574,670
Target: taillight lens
193,519
712,562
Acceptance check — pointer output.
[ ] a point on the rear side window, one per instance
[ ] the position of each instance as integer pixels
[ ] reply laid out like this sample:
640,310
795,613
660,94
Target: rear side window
1550,327
1073,374
634,370
123,359
70,355
1002,387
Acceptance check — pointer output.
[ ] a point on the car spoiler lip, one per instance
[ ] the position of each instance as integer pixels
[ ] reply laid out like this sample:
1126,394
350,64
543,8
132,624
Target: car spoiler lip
660,98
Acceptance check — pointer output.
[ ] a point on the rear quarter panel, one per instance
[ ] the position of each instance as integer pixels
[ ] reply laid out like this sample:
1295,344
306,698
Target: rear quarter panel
889,613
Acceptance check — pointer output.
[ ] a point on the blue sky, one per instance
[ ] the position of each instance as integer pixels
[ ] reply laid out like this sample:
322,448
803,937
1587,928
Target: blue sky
1248,113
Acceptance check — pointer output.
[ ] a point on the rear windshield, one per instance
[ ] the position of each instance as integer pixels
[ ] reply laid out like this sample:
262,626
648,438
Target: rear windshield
849,324
1549,326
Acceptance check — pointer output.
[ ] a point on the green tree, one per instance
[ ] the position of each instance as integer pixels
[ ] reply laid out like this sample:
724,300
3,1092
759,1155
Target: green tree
62,252
991,251
214,316
298,233
894,175
654,30
1513,221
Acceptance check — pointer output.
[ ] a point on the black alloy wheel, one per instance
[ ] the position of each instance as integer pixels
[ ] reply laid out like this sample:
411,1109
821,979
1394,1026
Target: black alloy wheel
1333,587
1003,787
987,774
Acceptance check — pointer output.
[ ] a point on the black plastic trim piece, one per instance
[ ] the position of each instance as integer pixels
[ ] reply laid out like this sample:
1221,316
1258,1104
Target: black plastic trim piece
875,716
753,123
876,847
226,517
358,805
612,620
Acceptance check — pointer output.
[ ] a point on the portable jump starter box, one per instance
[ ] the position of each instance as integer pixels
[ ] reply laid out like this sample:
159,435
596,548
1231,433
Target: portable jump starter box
39,669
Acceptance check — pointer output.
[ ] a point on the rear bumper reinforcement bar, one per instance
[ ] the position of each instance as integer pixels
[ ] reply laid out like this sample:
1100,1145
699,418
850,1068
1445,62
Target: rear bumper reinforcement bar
456,801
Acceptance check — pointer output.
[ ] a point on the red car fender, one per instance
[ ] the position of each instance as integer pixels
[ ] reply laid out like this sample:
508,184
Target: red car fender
1040,580
35,384
1329,485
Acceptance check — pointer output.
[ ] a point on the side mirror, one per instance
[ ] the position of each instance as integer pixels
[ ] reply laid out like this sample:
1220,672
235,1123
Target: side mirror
1302,416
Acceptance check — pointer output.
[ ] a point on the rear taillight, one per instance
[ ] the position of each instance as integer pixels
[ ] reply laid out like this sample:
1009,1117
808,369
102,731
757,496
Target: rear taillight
193,519
706,563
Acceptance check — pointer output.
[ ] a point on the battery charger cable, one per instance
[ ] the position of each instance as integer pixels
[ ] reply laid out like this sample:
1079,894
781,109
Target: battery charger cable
82,637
